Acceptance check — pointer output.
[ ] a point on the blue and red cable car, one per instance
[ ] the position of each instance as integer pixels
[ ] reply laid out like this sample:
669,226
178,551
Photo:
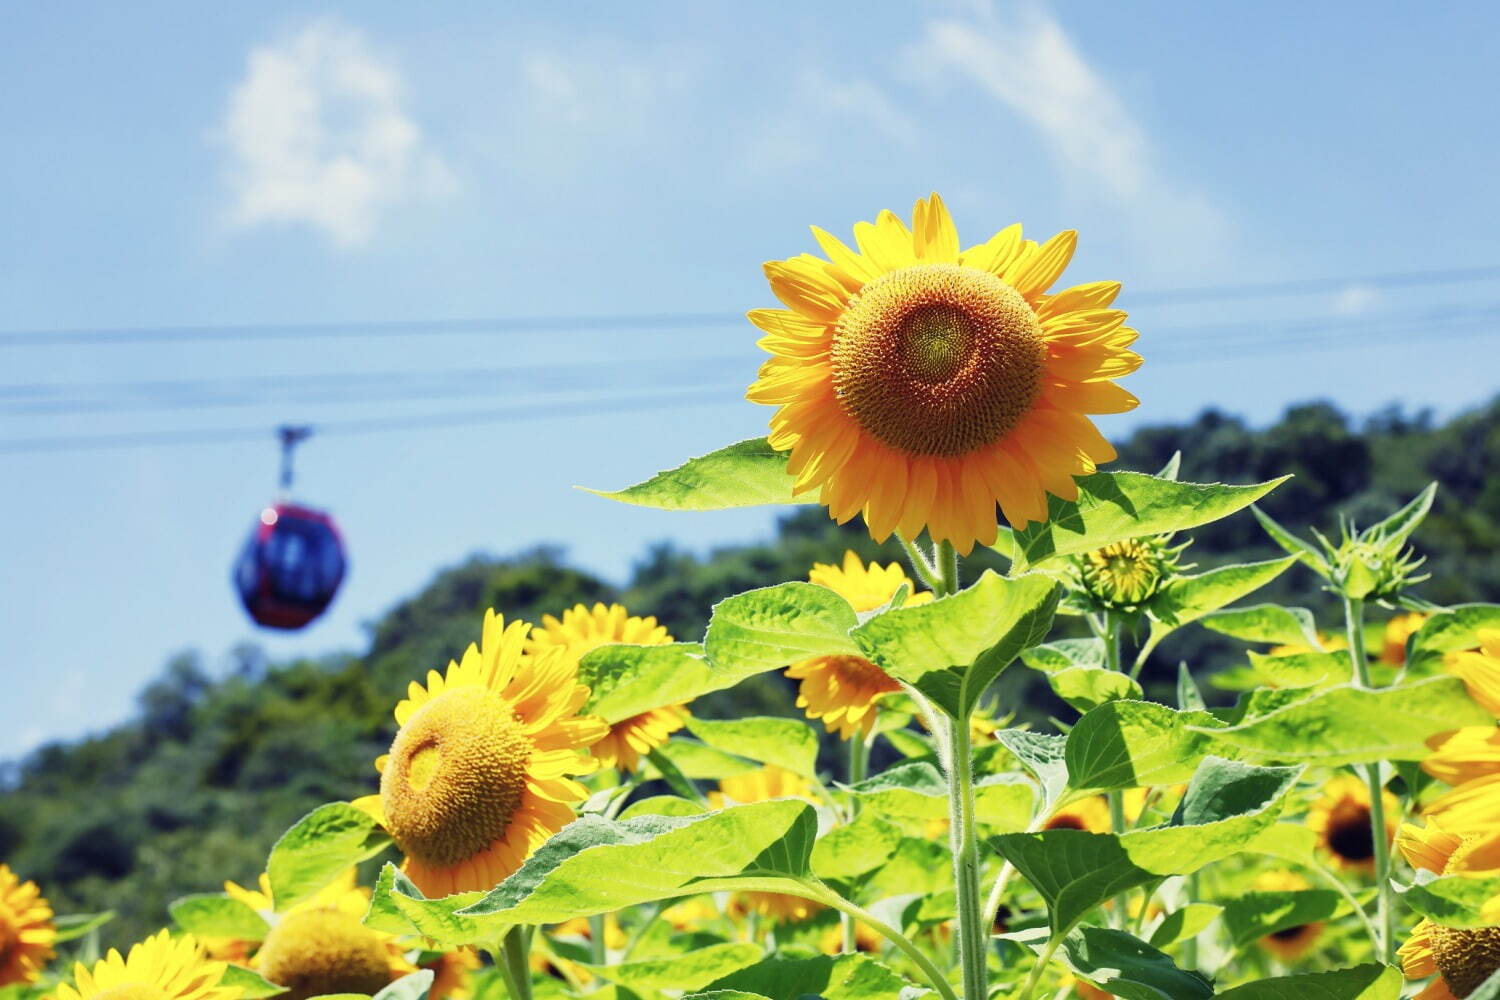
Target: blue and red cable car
293,562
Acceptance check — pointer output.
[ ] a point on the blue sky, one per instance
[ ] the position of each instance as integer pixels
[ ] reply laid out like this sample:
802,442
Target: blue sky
180,164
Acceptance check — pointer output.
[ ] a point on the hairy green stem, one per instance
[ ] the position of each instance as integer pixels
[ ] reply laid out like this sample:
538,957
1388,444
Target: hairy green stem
945,558
516,967
1190,943
973,935
1039,968
1110,634
597,947
919,563
1354,621
859,764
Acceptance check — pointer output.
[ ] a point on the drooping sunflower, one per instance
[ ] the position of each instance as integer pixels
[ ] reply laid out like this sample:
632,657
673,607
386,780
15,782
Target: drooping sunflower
768,782
479,775
319,946
921,384
1398,631
159,968
26,929
1341,819
842,689
1289,943
582,629
1460,958
453,974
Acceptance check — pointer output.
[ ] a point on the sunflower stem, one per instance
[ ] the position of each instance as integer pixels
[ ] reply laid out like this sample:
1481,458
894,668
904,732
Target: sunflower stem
516,968
1109,633
597,946
919,563
859,763
1354,622
946,562
973,936
1040,967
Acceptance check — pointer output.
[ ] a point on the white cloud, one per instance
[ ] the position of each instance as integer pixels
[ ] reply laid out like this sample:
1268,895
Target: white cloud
1026,62
1355,300
318,133
818,112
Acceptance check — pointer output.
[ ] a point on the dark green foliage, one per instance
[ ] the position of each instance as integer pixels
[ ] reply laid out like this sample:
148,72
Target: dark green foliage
219,762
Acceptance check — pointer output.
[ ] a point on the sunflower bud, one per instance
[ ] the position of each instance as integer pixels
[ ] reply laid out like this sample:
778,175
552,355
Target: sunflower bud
1366,569
1124,575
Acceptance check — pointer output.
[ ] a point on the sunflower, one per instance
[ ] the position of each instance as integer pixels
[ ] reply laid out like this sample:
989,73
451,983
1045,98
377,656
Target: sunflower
831,941
1480,670
159,968
582,629
26,930
479,773
1398,631
320,945
1124,574
1461,958
921,384
1091,814
767,782
842,689
1341,819
1289,943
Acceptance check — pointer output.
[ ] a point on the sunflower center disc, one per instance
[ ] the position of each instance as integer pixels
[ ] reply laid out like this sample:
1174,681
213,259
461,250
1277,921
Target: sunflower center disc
455,777
1466,958
1349,835
938,359
322,951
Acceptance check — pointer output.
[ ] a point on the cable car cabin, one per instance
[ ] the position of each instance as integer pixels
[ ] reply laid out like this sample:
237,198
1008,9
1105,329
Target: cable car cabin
291,566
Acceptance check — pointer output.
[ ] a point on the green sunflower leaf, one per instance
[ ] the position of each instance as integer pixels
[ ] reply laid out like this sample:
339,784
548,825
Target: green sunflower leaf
698,761
626,680
1188,598
1114,506
595,865
1252,915
1265,623
952,648
1363,982
918,790
745,474
1227,804
318,848
785,743
1127,967
218,916
1453,901
1450,631
1189,921
851,849
250,984
694,970
412,986
1130,744
75,925
845,977
773,627
1350,725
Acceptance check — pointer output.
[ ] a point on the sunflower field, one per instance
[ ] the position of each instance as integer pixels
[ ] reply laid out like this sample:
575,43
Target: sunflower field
553,819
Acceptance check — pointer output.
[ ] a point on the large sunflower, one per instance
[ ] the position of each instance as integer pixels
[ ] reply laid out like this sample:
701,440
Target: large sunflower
159,968
582,629
1460,958
479,773
921,384
26,929
842,689
1341,819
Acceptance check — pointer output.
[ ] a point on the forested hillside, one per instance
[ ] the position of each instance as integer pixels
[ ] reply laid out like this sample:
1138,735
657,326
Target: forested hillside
218,762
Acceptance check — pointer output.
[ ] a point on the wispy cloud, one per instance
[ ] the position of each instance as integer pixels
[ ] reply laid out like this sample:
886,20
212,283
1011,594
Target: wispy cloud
1356,300
1025,61
817,119
318,133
